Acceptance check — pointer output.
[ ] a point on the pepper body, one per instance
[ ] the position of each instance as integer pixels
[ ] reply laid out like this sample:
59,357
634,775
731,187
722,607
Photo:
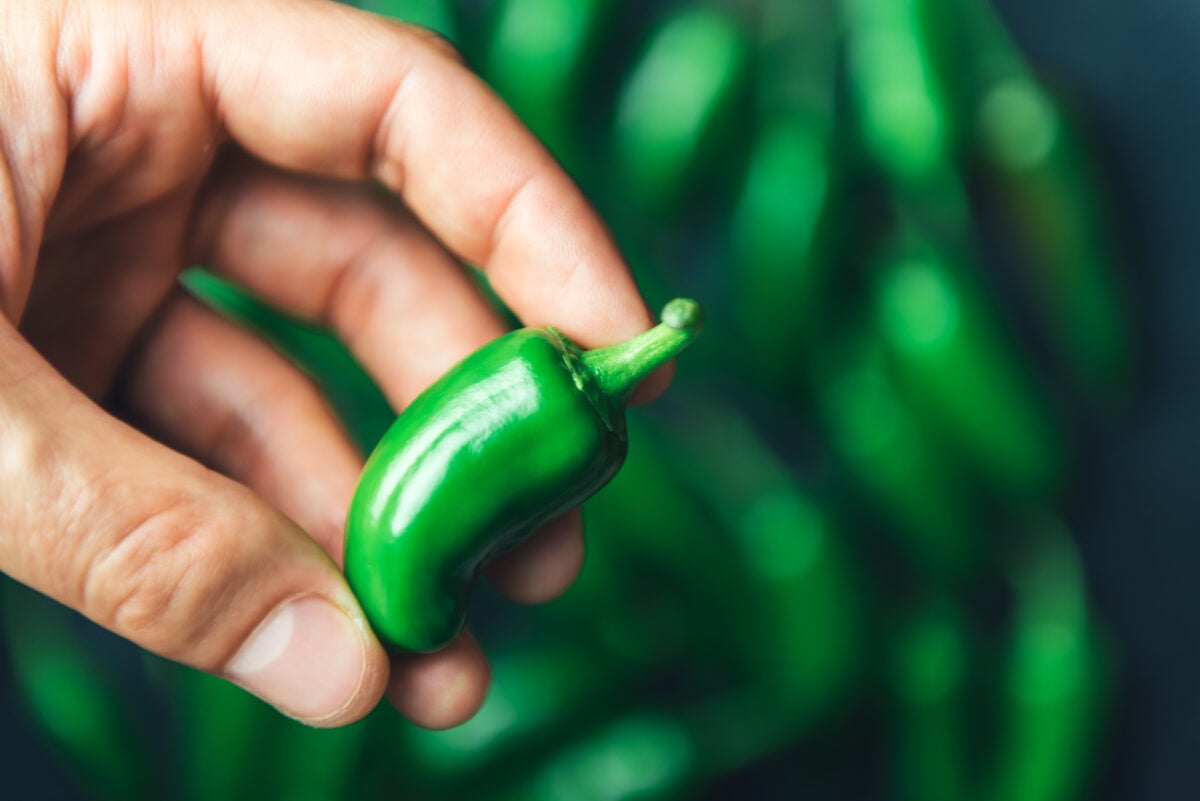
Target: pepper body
955,362
522,430
677,105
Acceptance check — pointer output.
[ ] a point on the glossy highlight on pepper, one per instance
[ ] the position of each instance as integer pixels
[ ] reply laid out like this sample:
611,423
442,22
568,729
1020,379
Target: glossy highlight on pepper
523,429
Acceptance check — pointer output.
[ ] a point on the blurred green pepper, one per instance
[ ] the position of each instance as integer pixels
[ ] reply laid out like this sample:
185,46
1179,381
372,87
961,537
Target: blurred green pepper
785,210
931,658
1045,705
637,528
640,756
762,556
1051,203
674,104
896,88
894,459
776,242
224,735
953,361
317,764
539,694
1054,677
75,701
535,55
235,746
803,640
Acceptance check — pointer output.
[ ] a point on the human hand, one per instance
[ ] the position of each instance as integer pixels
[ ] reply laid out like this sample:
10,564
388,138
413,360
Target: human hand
137,138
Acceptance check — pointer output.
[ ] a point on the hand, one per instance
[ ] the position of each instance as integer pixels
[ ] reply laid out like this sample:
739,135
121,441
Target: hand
139,137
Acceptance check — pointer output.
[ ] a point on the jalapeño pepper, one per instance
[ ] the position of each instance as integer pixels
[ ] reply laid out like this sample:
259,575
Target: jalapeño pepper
523,429
1055,675
675,104
929,681
1051,204
895,459
898,94
960,370
535,58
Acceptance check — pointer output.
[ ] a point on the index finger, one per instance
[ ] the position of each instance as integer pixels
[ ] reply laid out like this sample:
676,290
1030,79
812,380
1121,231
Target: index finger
322,88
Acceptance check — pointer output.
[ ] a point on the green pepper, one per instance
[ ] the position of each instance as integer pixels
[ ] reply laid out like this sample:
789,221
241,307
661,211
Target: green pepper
1051,204
640,524
538,695
523,429
929,679
315,763
899,97
784,226
961,371
637,756
76,701
894,459
777,239
1055,674
534,59
675,104
794,559
224,736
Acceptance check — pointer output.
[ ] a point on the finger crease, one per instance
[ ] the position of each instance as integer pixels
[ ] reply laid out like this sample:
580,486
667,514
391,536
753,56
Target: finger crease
339,304
385,160
509,210
147,542
236,445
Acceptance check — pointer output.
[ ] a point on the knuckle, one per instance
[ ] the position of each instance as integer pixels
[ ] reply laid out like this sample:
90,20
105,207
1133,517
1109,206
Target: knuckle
166,580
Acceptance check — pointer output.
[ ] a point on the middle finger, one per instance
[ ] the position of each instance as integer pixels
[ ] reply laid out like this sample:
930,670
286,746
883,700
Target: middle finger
352,260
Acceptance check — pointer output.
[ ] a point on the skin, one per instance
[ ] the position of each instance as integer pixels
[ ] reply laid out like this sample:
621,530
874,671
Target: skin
165,473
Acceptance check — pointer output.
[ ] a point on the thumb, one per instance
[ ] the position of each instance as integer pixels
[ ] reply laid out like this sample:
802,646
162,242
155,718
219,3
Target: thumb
170,555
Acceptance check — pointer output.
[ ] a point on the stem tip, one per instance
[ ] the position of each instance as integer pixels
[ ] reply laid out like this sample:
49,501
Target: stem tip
683,313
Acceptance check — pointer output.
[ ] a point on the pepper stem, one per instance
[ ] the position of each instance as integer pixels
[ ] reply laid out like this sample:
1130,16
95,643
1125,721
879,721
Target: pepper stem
618,369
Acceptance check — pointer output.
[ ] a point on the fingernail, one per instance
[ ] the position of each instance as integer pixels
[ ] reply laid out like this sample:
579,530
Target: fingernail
307,659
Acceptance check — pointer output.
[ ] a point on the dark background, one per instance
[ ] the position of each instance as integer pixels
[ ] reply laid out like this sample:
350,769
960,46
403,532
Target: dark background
1132,69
